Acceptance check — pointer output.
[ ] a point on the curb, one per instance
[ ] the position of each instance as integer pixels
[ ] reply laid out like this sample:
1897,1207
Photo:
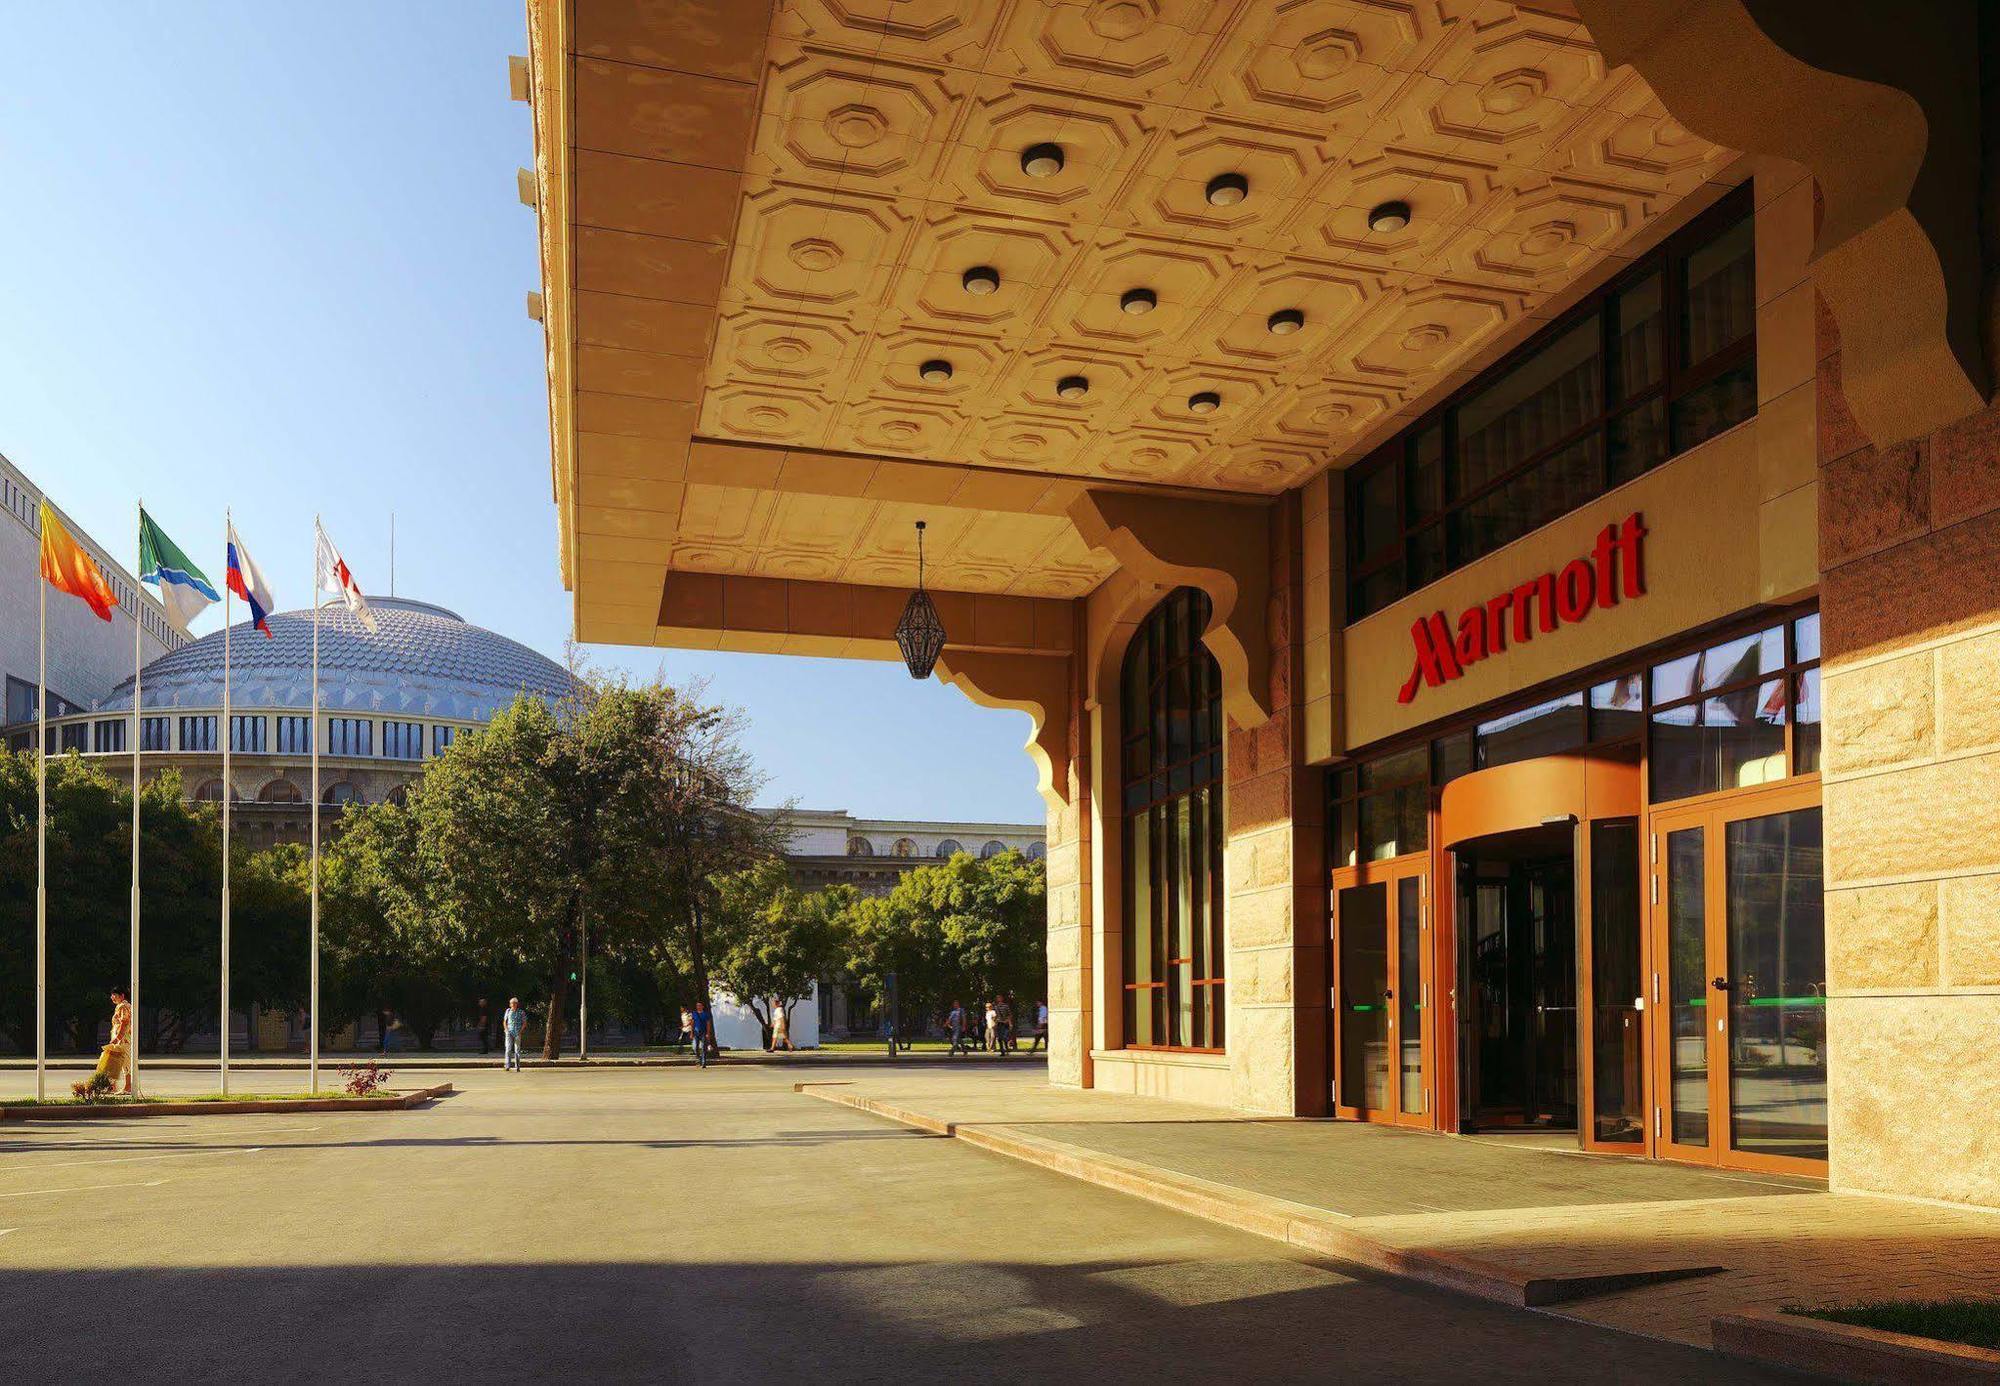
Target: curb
1849,1351
1311,1229
114,1112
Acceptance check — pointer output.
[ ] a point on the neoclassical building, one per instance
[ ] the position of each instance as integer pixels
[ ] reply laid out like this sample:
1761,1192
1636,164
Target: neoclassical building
389,701
831,847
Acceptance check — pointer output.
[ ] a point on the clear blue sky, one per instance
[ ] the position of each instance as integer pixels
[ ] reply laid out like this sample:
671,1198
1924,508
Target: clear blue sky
270,256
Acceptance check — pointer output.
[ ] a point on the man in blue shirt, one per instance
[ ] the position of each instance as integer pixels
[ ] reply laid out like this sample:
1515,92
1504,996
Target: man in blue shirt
513,1023
704,1029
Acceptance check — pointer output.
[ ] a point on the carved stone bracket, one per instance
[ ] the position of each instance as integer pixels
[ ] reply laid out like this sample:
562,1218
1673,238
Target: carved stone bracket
1880,102
1035,684
1223,549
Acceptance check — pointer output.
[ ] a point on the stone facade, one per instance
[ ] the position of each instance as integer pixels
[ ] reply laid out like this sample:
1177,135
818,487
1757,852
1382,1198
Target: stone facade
1910,541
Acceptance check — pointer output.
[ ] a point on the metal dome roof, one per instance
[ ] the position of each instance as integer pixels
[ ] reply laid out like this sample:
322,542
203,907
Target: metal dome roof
425,661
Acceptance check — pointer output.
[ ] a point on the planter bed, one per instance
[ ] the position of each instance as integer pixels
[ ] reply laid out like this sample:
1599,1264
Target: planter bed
64,1110
1849,1351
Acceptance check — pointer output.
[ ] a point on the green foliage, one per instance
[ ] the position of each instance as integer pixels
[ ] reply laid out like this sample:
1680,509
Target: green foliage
607,813
966,929
772,941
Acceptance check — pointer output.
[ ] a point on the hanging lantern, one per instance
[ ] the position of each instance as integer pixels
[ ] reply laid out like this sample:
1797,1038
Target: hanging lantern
920,634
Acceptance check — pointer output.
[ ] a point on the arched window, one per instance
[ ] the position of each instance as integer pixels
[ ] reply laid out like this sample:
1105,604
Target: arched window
993,848
210,792
398,796
280,792
905,847
340,794
949,847
860,847
1037,850
1171,695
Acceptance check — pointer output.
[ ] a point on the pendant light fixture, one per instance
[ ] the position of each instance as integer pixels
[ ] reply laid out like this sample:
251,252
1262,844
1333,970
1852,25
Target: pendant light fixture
920,634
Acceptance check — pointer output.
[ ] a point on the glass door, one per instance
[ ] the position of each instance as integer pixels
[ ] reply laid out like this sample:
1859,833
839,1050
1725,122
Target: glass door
1614,967
1687,1043
1380,995
1740,983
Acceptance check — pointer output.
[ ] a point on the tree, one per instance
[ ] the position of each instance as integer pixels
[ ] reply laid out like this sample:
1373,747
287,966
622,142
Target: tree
621,802
963,929
774,941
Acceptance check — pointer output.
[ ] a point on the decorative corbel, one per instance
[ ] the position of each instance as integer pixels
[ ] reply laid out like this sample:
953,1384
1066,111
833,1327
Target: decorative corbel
1036,684
1880,103
1221,547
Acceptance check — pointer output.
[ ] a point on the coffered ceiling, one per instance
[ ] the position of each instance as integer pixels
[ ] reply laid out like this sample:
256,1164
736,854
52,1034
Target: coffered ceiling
771,215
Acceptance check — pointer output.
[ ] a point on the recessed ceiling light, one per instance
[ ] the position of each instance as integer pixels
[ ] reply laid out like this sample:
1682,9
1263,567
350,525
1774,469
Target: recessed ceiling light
1204,402
935,372
1138,301
1227,189
1285,322
1042,160
981,279
1072,387
1390,216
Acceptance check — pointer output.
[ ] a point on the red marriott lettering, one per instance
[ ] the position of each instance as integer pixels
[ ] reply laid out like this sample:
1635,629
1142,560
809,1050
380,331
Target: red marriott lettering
1615,568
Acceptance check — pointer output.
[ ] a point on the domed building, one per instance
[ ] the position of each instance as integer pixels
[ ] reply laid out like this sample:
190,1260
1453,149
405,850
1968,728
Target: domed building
389,701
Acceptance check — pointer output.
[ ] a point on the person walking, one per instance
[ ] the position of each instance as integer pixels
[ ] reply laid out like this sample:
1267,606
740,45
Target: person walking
687,1027
954,1025
1006,1014
992,1025
702,1027
781,1027
1041,1028
512,1023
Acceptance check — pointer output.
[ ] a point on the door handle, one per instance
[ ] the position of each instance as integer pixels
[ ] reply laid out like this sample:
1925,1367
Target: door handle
1721,983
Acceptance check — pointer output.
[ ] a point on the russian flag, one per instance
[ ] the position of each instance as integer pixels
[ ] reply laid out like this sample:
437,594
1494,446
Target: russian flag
246,580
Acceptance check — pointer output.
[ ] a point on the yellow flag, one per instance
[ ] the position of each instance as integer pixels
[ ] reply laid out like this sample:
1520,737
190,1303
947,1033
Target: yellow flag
69,569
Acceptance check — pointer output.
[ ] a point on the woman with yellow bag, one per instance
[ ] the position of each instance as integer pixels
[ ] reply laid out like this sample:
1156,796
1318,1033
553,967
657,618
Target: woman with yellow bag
114,1065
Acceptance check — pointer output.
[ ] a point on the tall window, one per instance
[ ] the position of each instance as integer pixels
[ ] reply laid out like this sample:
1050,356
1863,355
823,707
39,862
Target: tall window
156,734
107,736
442,735
294,736
350,736
246,732
403,740
198,734
1663,359
1172,759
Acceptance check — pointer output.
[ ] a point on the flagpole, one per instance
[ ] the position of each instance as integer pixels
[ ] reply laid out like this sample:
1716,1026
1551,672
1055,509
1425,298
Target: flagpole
42,842
228,793
312,1008
138,653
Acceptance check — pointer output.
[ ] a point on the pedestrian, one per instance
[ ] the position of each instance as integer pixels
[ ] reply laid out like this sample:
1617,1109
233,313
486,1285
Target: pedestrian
1006,1014
781,1027
954,1025
512,1023
485,1028
1041,1028
992,1025
687,1027
702,1027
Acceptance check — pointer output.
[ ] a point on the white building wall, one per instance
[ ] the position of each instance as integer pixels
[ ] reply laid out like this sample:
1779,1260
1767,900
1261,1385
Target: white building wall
736,1025
87,657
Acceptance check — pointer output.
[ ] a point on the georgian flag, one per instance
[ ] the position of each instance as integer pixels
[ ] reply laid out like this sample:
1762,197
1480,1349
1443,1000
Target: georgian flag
246,580
335,577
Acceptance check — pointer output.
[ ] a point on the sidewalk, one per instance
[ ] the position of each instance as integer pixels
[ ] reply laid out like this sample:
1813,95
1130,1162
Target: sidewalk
1650,1248
464,1058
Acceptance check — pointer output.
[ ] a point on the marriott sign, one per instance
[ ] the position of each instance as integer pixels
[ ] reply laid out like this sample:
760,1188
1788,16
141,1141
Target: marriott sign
1614,569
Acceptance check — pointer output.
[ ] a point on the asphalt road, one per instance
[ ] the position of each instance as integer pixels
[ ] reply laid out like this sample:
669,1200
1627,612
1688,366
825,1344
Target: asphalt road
680,1226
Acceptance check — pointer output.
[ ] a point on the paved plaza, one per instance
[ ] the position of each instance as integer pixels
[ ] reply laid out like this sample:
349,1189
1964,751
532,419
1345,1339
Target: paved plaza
676,1225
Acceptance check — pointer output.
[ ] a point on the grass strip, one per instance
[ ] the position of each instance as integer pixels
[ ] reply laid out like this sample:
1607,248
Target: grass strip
1974,1322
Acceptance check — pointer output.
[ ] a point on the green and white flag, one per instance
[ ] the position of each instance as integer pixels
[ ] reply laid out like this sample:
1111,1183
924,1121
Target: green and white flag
185,590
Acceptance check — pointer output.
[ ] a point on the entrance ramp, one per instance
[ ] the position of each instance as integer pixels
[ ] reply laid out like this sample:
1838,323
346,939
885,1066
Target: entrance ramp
1650,1248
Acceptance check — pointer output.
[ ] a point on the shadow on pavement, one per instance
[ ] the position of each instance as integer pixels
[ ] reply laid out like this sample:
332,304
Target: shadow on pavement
991,1322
